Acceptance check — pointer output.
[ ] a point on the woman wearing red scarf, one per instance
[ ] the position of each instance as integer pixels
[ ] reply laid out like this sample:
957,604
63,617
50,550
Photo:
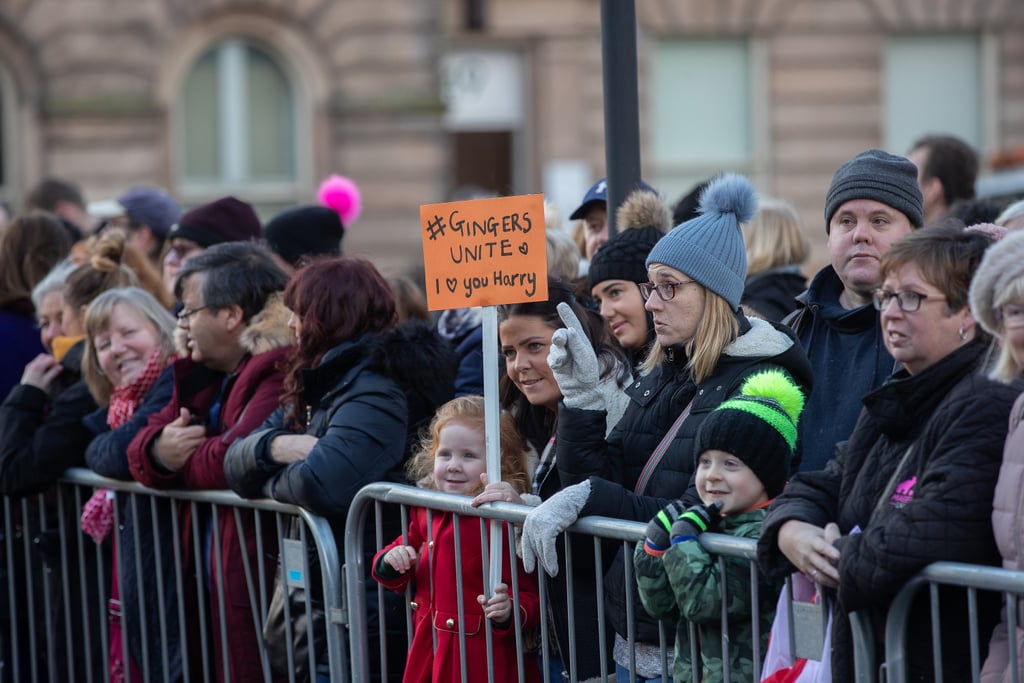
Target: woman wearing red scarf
128,351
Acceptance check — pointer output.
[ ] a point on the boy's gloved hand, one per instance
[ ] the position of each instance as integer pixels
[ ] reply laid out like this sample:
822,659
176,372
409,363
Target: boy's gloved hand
695,521
658,535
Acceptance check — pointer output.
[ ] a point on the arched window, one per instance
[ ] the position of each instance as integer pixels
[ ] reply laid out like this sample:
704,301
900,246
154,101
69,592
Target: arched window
237,126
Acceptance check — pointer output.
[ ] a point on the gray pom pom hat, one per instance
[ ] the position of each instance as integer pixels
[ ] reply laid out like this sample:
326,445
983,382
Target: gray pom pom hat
709,248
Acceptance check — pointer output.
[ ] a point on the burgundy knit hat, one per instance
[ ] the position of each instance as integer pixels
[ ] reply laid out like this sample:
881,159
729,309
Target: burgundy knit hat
223,220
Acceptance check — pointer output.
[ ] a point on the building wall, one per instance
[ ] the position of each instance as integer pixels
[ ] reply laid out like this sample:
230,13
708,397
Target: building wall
92,87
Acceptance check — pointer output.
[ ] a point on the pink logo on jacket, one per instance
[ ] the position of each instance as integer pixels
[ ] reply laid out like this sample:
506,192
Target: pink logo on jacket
904,493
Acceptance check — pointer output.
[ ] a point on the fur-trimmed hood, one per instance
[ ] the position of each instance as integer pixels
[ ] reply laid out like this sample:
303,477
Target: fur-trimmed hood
268,330
420,360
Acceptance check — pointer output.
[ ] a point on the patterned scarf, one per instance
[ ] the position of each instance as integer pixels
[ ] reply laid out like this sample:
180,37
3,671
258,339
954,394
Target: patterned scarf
125,399
98,513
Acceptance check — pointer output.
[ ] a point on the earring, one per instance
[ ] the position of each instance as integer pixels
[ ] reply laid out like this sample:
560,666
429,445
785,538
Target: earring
962,333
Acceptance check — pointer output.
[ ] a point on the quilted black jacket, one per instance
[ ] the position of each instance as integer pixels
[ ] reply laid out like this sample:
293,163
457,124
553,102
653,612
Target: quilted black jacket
952,421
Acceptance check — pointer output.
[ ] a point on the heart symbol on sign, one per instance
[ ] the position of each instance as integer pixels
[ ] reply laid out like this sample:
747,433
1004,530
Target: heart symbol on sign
524,248
452,283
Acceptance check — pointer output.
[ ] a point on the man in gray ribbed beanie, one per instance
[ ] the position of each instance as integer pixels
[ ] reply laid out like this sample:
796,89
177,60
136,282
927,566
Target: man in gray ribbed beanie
877,175
873,200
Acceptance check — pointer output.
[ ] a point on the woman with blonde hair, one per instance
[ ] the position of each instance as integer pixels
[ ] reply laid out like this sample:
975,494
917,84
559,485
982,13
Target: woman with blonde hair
704,350
997,303
129,348
776,246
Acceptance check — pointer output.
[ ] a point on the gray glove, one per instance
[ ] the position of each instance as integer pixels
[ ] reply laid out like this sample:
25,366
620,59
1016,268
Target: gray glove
577,371
545,522
574,364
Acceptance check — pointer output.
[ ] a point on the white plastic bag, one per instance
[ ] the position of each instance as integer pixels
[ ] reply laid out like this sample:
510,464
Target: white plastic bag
779,667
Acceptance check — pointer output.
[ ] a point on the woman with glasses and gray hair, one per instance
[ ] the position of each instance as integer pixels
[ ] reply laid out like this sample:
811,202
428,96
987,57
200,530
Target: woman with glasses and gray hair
997,299
913,484
704,350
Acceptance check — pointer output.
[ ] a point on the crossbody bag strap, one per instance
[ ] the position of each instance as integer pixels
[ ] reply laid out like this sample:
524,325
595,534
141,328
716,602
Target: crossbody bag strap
659,452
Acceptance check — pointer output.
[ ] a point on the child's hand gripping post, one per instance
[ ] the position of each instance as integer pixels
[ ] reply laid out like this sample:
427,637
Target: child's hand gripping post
498,607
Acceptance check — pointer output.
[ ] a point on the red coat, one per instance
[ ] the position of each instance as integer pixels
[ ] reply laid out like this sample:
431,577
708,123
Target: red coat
251,394
436,598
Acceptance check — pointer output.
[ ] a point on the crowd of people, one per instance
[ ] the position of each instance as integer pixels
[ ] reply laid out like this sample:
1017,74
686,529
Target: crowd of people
860,424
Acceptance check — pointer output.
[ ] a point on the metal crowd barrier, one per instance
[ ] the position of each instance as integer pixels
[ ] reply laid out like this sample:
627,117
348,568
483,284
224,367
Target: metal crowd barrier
55,585
54,615
614,533
976,580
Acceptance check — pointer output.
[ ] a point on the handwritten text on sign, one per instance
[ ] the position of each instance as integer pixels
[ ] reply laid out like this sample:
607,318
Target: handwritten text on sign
484,252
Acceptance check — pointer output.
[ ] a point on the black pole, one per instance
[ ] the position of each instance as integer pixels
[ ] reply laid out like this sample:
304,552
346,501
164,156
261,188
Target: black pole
621,109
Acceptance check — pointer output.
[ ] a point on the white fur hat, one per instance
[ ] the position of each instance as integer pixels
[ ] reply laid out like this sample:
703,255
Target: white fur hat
1000,269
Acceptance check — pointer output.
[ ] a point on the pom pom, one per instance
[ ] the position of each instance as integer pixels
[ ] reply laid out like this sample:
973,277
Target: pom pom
341,194
730,193
775,385
642,209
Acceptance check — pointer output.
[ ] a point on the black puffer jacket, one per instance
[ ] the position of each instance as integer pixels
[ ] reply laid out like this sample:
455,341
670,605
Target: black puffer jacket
614,466
950,422
365,406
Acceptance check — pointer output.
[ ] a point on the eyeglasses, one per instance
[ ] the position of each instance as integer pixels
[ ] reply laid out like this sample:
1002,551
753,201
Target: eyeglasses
180,252
666,290
1012,315
908,301
185,313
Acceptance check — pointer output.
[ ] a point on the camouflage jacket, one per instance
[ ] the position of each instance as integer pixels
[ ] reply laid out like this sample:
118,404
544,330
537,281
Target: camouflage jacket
686,578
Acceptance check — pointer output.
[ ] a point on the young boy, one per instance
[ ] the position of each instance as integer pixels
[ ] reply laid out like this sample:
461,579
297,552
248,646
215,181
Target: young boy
745,448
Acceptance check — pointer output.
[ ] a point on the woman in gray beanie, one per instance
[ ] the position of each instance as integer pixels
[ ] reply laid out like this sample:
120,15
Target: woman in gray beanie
703,352
997,303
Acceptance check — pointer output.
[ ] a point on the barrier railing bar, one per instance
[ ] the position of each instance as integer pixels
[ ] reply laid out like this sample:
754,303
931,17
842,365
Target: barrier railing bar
161,598
179,586
200,579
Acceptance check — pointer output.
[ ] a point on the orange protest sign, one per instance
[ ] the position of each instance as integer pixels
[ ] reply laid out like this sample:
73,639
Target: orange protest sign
484,252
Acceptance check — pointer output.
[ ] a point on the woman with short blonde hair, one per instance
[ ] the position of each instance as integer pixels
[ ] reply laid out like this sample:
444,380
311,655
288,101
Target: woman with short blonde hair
776,246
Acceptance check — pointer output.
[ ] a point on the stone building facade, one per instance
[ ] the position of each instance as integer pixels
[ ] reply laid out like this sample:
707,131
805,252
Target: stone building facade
414,98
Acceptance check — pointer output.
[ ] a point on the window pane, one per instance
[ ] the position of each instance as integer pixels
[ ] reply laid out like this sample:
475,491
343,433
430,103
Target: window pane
270,119
201,111
701,107
932,85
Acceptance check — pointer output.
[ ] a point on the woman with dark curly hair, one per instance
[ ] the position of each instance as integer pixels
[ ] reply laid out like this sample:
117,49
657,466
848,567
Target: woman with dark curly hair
349,389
